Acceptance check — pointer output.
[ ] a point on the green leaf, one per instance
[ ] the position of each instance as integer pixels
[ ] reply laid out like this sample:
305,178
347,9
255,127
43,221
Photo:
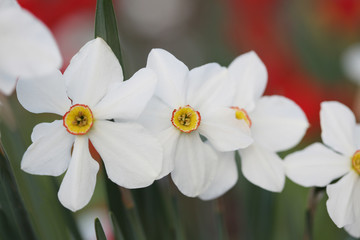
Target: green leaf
106,27
100,234
14,219
117,231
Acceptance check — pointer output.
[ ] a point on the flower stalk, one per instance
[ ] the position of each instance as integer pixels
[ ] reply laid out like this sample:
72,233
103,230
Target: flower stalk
315,195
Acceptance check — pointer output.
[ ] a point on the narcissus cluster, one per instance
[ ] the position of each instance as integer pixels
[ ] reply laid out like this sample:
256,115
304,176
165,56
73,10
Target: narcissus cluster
170,120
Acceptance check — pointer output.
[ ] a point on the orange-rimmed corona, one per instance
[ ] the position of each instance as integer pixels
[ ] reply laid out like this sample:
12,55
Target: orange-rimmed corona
186,119
78,120
356,161
241,113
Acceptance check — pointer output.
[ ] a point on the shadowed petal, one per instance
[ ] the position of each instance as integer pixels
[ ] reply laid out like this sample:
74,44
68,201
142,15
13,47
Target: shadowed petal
79,182
338,127
225,178
195,165
250,75
45,94
344,197
278,123
316,165
208,86
132,157
50,152
127,100
354,228
263,167
171,74
224,131
91,71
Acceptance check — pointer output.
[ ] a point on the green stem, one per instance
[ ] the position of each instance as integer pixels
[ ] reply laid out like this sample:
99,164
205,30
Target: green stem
219,212
179,228
315,195
132,213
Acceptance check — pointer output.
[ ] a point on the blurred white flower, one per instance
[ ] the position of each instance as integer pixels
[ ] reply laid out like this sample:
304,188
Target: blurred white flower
188,104
351,63
27,47
319,165
90,93
276,124
157,17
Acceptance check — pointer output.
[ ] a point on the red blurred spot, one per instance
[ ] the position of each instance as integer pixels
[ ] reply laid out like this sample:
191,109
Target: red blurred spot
52,11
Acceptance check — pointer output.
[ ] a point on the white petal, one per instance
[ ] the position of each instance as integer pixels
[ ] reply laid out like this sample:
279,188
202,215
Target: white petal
171,75
126,100
344,197
156,116
338,127
91,71
357,136
351,63
209,86
50,152
354,228
224,131
316,165
195,165
79,182
225,178
7,83
45,94
278,123
27,46
8,3
169,140
132,157
263,167
250,75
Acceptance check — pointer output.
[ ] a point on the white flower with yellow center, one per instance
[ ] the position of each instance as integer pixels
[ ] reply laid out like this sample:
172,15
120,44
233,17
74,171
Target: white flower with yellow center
188,104
319,165
276,124
27,47
87,96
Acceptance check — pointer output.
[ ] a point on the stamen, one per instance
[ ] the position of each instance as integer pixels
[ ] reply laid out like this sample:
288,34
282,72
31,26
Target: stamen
186,119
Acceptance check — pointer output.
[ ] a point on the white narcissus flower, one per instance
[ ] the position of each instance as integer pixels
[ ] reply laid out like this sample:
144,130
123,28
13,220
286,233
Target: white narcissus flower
276,124
27,47
319,165
87,96
186,105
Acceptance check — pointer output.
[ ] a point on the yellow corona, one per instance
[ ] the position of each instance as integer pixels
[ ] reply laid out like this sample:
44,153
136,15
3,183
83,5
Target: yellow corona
240,113
78,120
186,119
356,161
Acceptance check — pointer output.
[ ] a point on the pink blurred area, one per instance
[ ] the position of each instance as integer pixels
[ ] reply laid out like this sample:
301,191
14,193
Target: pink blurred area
300,42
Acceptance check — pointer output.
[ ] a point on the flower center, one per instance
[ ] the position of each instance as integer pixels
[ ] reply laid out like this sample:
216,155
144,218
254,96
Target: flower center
356,161
240,113
78,120
186,119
